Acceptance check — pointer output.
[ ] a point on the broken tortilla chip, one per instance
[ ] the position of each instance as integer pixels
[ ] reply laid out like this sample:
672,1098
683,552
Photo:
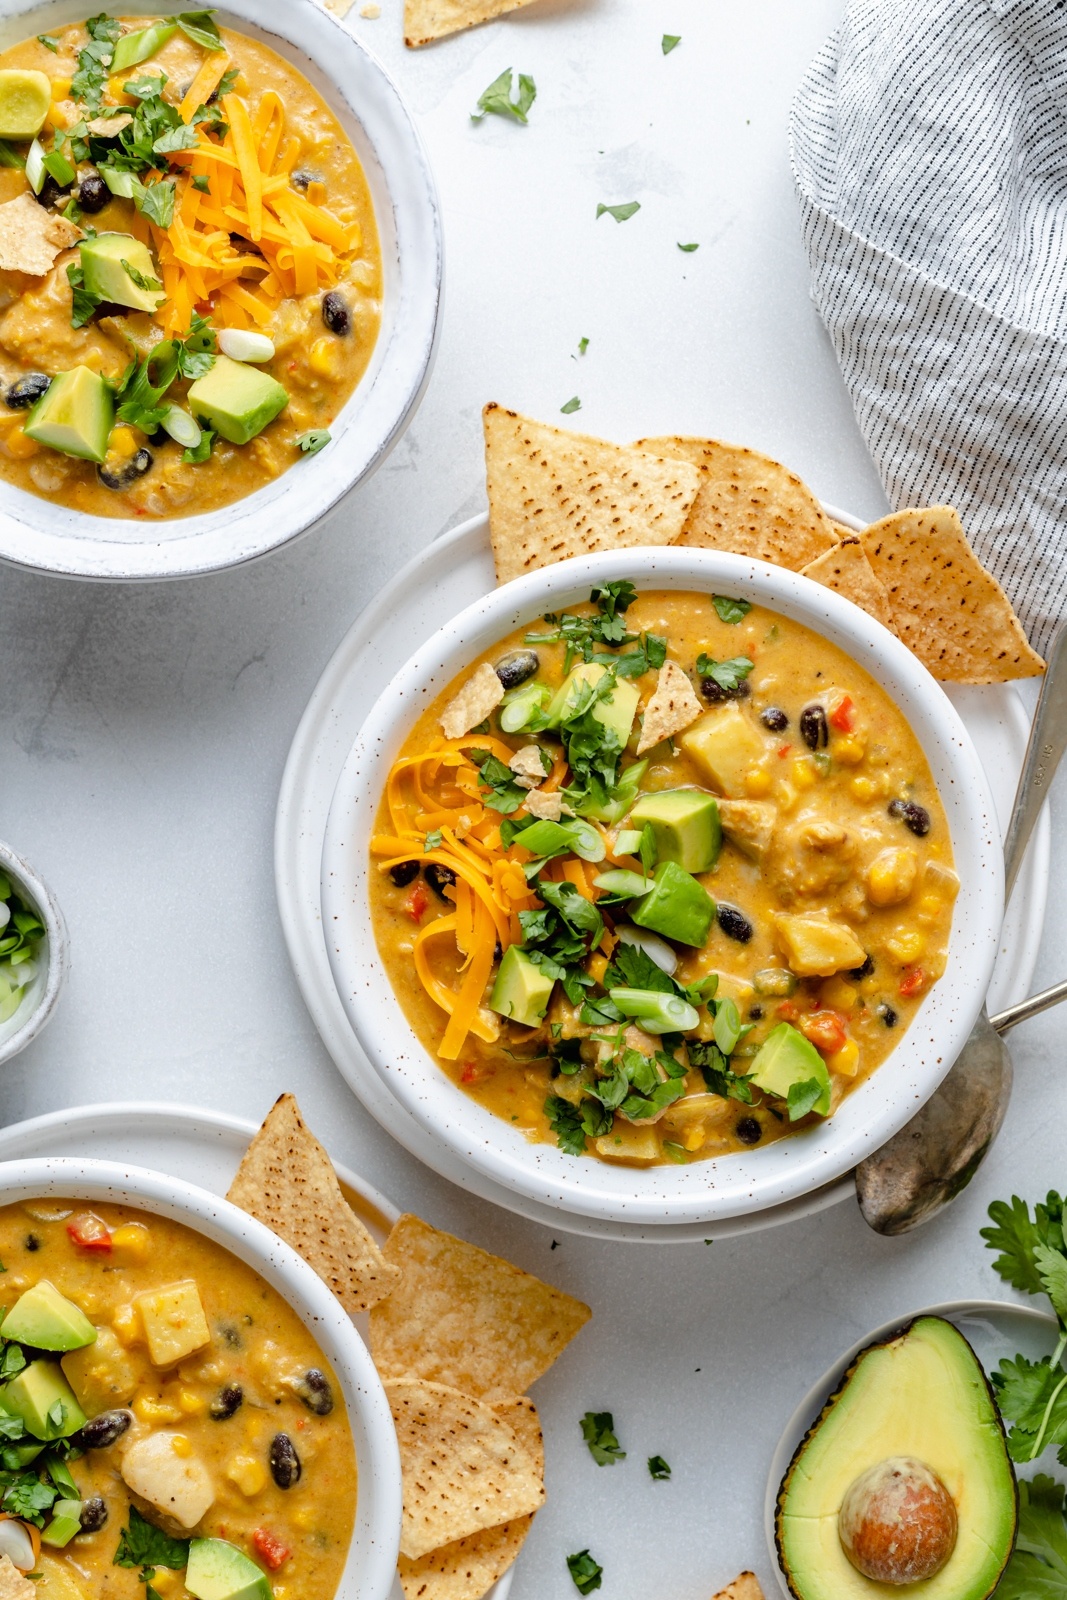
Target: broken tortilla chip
673,706
14,1585
554,494
746,1587
946,607
846,570
467,1568
463,1466
464,1317
426,20
286,1181
749,504
31,237
481,694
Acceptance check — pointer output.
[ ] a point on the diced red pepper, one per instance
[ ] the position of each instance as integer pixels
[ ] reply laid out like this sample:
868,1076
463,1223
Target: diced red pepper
270,1550
418,900
783,751
787,1011
913,982
89,1233
470,1073
826,1030
843,714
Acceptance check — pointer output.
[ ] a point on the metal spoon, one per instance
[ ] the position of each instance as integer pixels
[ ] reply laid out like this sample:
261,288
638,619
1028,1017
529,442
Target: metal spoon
935,1155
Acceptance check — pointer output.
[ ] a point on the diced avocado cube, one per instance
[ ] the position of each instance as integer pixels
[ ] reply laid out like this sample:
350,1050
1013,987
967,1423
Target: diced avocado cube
726,746
617,713
174,1322
678,907
74,415
217,1570
65,1523
47,1320
628,841
113,263
43,1398
25,99
685,826
785,1058
236,400
101,1374
521,991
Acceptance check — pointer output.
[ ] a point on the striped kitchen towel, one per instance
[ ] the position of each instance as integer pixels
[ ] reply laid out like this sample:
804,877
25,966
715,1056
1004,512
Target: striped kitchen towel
929,148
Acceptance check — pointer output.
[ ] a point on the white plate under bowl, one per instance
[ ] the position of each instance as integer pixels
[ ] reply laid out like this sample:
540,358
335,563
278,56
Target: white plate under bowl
451,572
205,1147
39,533
996,1330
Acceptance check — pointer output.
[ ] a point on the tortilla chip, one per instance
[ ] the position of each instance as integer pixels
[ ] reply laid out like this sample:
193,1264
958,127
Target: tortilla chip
746,1587
110,122
548,806
286,1180
31,236
481,694
554,494
426,20
467,1568
673,706
463,1466
846,570
749,504
464,1317
14,1585
946,607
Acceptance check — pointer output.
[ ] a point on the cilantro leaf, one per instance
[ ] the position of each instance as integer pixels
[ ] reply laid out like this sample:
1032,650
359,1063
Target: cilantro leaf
621,213
1016,1235
658,1468
633,968
585,1572
598,1431
13,1360
432,840
157,202
565,1121
94,61
198,453
669,42
142,1544
29,1498
729,610
1052,1270
83,301
139,278
573,404
49,41
313,441
1038,1566
1033,1396
505,795
687,249
200,28
727,674
497,101
803,1097
202,182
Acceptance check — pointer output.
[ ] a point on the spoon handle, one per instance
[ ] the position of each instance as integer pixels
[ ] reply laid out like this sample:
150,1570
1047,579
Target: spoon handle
1048,740
1029,1008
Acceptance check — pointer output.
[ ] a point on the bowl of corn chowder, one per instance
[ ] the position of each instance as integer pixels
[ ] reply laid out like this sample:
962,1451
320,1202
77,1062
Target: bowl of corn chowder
752,920
182,1393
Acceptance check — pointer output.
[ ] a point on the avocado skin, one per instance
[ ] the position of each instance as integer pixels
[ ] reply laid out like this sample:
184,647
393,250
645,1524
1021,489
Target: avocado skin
917,1589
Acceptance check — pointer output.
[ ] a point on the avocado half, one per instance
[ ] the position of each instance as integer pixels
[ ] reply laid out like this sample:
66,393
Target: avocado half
924,1394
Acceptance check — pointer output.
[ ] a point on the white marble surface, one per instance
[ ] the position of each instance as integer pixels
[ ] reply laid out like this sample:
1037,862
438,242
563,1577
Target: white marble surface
145,729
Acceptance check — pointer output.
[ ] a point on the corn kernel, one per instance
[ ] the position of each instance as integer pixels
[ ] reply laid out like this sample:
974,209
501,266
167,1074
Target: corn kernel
249,1475
597,968
845,1061
325,358
757,782
191,1402
127,1325
838,995
802,772
152,1411
165,1580
181,1446
305,1519
123,442
891,877
850,750
930,908
60,88
905,947
863,789
694,1137
20,446
132,1238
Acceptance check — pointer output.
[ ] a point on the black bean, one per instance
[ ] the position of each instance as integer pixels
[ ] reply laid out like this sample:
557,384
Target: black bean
734,923
119,476
51,191
243,246
103,1429
755,1013
284,1461
516,667
93,1514
229,1335
888,1015
749,1131
713,690
336,312
32,1242
314,1389
864,971
912,815
439,878
27,391
403,873
301,178
813,727
226,1402
93,193
774,718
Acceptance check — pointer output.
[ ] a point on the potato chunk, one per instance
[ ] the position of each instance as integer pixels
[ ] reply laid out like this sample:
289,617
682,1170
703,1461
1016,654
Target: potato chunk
815,947
174,1322
180,1485
101,1374
726,746
748,824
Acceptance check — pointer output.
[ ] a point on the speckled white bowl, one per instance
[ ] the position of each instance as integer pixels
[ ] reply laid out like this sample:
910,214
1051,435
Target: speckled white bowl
37,533
39,1001
371,1564
728,1186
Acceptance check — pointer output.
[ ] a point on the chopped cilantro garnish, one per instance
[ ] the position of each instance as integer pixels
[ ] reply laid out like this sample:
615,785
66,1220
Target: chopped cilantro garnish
497,101
156,202
658,1468
505,795
29,1498
573,404
1038,1566
598,1431
585,1572
142,1544
198,453
313,441
139,278
202,182
669,42
88,83
49,41
803,1097
83,301
729,610
621,213
145,382
688,248
433,839
727,674
583,345
200,28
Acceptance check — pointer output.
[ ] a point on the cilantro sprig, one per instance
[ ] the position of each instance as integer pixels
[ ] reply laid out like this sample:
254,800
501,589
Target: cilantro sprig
142,1544
140,395
598,1431
729,675
496,100
1032,1395
585,1572
1038,1565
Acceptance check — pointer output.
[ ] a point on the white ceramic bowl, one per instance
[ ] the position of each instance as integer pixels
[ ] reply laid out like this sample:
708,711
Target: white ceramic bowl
371,1564
39,1001
34,532
729,1186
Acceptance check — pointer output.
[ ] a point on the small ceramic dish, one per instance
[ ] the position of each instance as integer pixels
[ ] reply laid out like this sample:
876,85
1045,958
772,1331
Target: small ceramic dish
371,1565
39,1000
40,534
734,1185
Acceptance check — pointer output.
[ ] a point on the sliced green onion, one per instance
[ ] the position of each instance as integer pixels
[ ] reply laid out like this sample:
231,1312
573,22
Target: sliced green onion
628,841
625,885
656,1012
181,427
9,156
521,708
135,47
240,344
120,183
35,168
60,168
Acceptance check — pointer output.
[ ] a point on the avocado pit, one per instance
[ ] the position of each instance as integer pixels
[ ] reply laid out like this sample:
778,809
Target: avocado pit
898,1522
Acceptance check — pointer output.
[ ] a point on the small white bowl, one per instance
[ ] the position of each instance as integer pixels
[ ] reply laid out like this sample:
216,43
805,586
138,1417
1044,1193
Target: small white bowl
37,533
371,1565
39,1001
727,1186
